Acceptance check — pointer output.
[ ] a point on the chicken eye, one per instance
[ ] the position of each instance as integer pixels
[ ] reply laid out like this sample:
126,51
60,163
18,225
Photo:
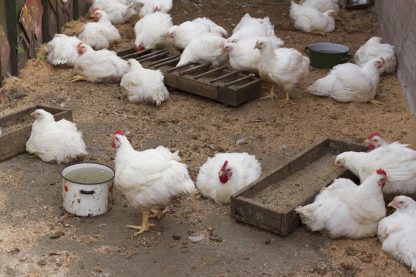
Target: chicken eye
401,202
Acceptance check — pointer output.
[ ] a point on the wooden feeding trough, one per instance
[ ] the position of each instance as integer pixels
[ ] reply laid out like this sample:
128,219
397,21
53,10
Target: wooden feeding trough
217,83
16,128
270,202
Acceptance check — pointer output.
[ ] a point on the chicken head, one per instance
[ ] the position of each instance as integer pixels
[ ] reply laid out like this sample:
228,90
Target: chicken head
116,142
400,202
374,140
225,173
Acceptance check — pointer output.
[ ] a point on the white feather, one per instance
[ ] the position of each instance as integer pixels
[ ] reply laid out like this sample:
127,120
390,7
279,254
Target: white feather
182,34
349,82
245,170
244,57
152,30
321,5
150,178
345,209
397,233
62,50
100,66
206,48
252,27
396,158
100,34
144,85
55,141
310,20
118,11
373,49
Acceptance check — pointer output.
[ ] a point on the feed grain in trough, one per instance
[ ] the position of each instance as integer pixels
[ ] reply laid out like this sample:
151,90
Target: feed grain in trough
270,202
217,83
16,128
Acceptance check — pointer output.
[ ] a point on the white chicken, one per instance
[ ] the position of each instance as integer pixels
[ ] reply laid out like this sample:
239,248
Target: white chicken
52,140
321,5
225,174
152,31
100,34
98,66
396,158
252,27
207,48
152,6
344,209
372,49
283,67
397,232
242,55
310,20
149,179
144,85
349,82
118,11
182,34
62,50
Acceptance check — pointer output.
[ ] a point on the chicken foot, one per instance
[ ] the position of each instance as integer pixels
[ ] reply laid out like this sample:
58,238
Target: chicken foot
77,78
158,213
287,100
375,102
321,33
271,95
145,224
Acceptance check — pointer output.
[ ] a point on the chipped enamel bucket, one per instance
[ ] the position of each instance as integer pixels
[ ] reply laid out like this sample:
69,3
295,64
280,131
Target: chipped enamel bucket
87,189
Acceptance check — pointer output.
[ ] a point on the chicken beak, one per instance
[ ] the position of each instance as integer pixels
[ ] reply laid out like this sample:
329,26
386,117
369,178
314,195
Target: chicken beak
367,141
391,204
33,114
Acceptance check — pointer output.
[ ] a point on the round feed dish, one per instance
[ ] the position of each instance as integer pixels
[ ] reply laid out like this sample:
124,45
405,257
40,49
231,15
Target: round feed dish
326,55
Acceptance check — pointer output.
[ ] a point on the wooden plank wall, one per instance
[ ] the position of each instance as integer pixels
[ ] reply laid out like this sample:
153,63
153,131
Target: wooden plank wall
397,21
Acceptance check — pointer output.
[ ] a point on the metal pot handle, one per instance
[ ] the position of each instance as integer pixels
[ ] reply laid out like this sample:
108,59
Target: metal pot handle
87,191
345,59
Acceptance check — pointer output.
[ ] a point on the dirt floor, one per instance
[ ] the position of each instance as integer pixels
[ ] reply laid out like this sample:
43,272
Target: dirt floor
38,238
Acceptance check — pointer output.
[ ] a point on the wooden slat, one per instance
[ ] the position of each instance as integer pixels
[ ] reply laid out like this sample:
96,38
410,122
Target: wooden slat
209,72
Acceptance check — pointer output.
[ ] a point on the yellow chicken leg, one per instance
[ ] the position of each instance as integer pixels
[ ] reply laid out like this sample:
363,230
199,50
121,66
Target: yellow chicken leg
322,33
376,102
287,100
158,213
77,78
145,224
271,95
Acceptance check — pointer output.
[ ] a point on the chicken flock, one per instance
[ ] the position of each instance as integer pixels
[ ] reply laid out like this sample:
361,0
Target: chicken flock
149,179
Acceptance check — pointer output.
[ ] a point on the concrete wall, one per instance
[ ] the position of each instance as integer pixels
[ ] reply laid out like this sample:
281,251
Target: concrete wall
398,25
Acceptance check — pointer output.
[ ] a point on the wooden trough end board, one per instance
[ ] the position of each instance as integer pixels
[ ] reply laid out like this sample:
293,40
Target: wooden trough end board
245,208
14,143
217,83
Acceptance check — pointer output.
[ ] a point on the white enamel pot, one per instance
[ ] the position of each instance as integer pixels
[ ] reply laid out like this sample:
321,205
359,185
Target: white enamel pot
87,199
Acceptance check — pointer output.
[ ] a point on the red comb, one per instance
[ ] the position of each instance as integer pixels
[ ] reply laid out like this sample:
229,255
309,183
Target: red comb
224,165
381,172
94,10
374,134
120,132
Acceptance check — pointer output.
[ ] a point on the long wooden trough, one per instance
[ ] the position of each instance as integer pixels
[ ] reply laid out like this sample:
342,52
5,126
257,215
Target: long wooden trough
221,84
270,202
